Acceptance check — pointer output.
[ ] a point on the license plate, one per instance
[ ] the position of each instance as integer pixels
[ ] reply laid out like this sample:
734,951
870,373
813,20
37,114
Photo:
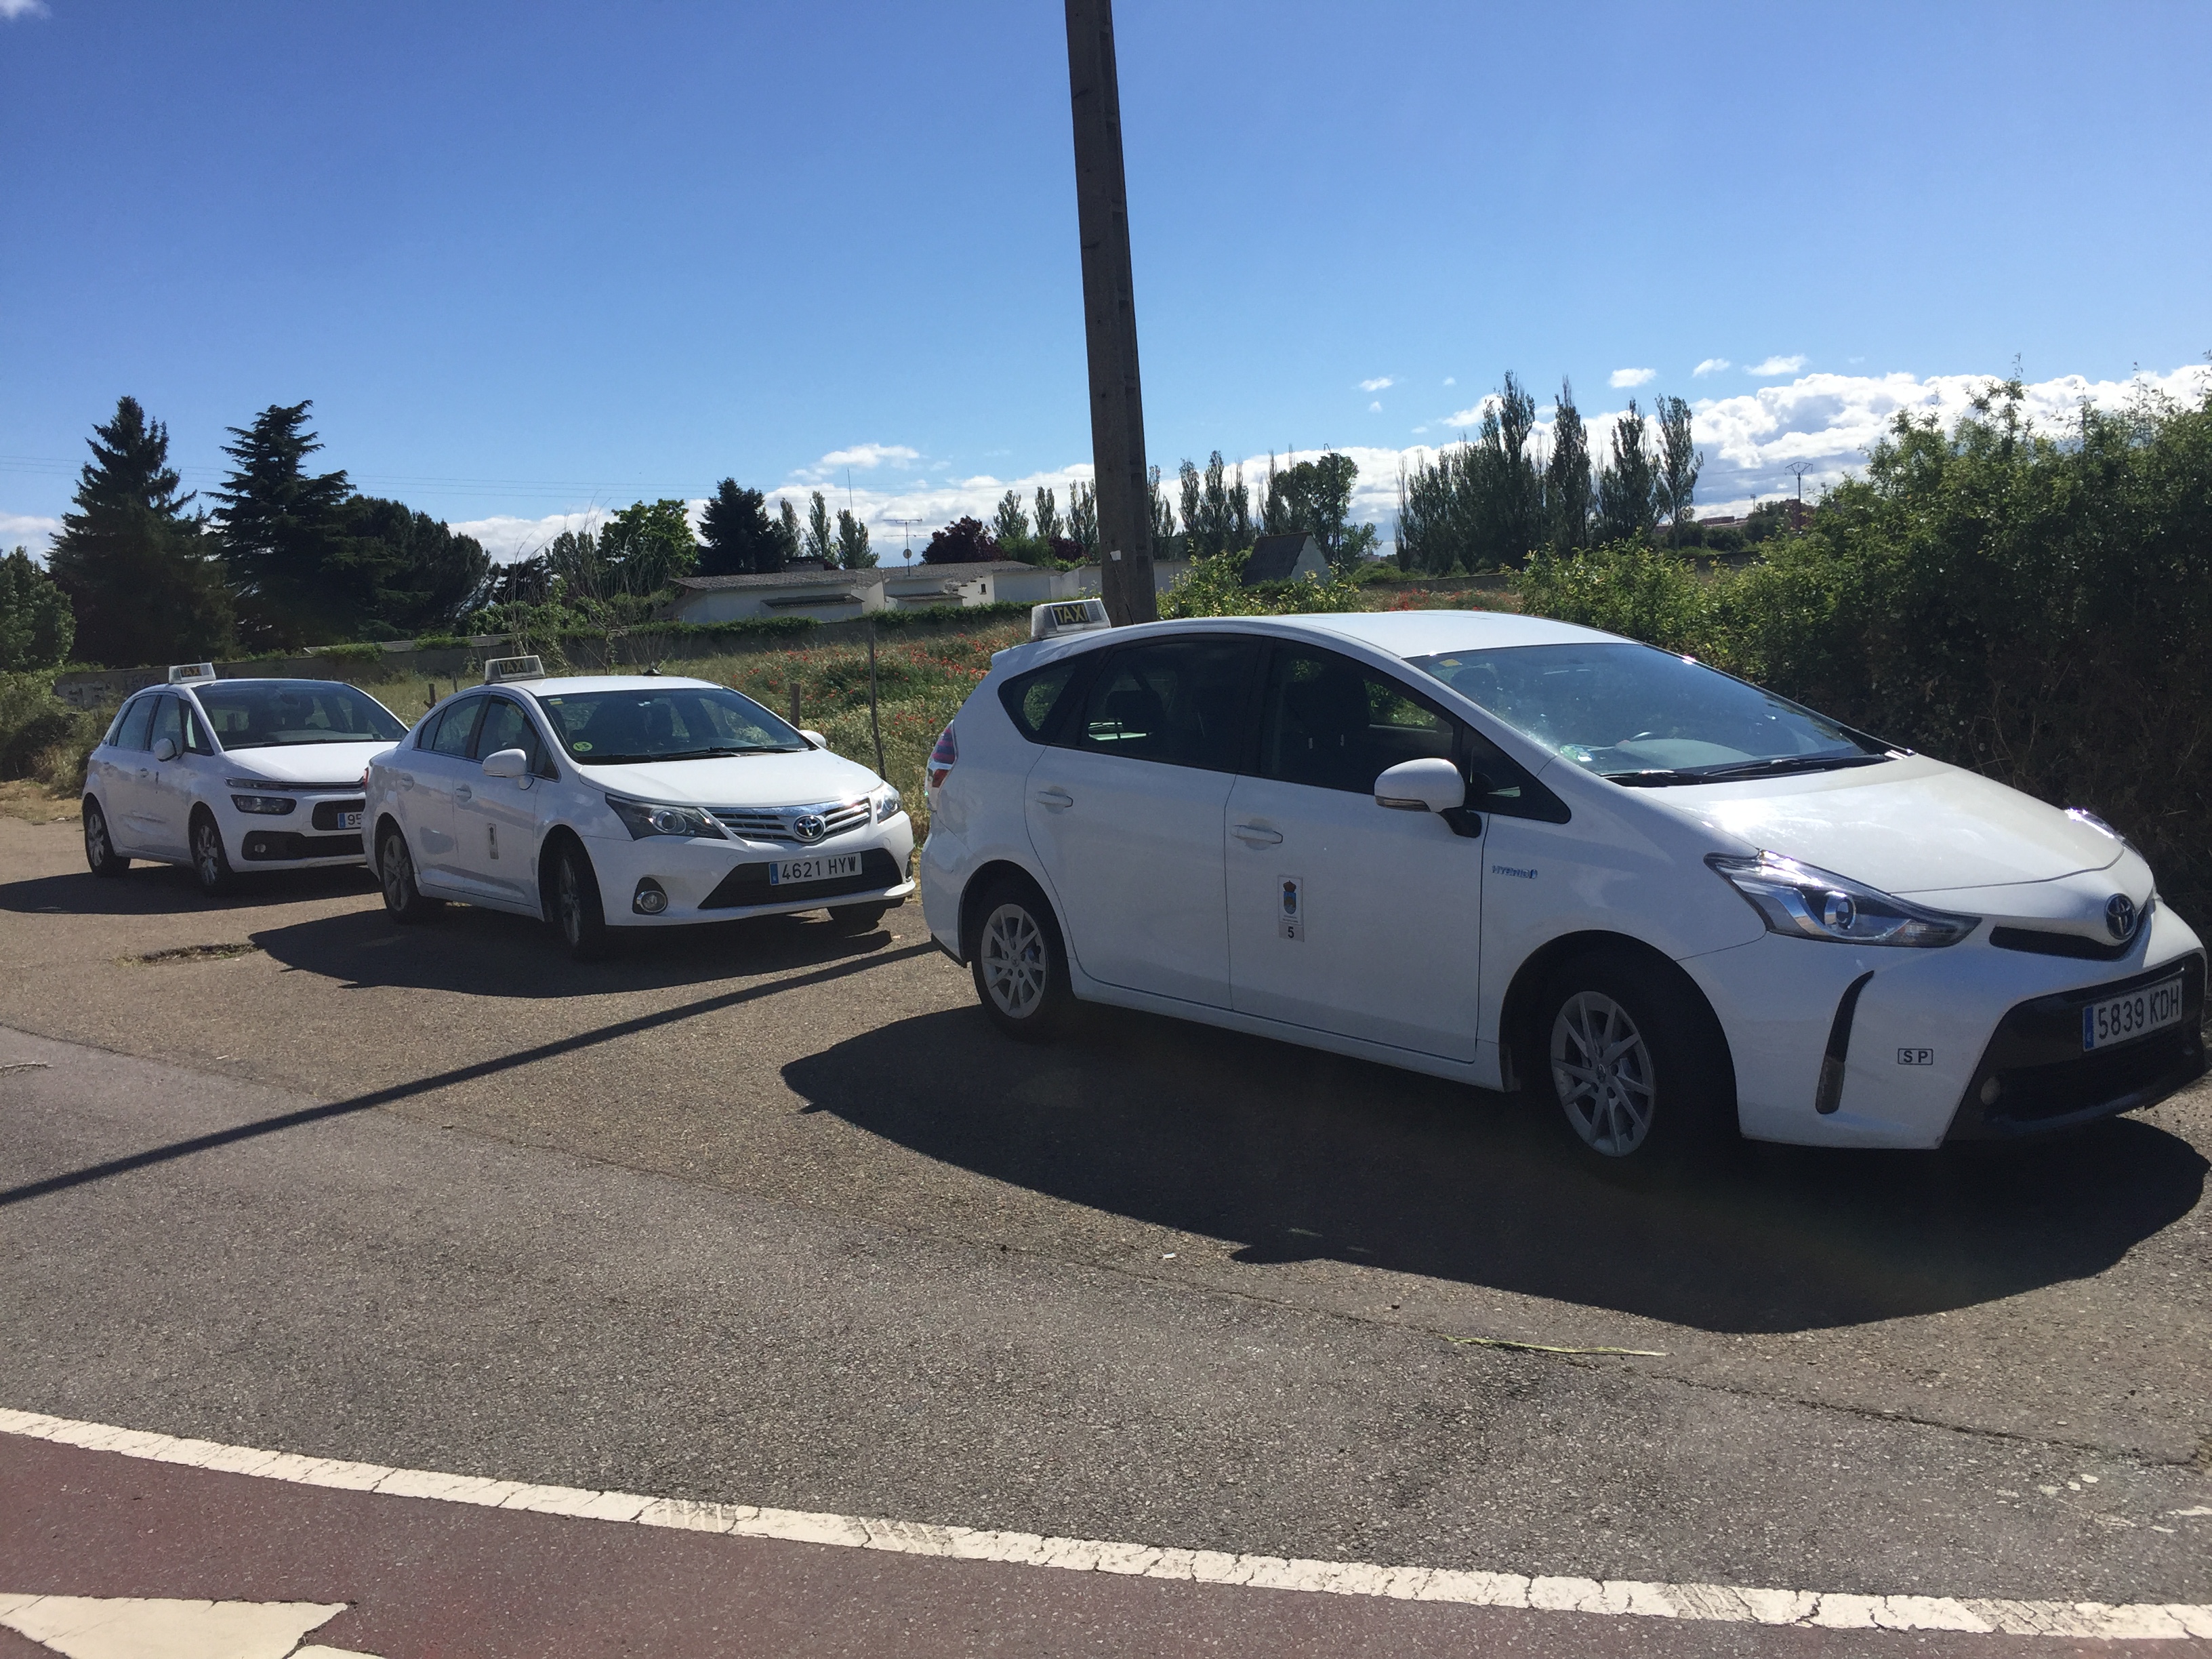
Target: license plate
349,820
2123,1019
828,867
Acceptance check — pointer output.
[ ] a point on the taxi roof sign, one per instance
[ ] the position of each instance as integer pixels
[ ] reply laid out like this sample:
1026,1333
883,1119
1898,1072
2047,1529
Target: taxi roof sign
191,673
498,671
1051,620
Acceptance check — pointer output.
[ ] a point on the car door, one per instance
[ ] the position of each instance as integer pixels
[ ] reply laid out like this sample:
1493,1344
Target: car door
123,771
165,797
430,775
1343,916
496,819
1125,811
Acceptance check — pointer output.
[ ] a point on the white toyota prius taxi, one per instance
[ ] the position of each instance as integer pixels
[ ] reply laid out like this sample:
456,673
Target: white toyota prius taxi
1530,855
227,776
627,801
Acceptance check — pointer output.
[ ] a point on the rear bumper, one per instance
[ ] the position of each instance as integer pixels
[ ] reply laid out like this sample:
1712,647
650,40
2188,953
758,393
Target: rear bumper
2034,1077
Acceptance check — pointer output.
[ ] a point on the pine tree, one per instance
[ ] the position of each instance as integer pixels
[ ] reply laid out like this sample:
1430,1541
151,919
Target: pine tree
142,577
423,575
1567,480
290,561
1626,505
736,536
852,550
37,626
1680,463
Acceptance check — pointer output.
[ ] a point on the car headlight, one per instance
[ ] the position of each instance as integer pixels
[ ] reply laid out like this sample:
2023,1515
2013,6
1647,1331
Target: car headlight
887,805
1807,902
273,806
644,817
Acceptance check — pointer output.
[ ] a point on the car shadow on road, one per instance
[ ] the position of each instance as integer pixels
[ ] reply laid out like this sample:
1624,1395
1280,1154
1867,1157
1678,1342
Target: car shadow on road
491,953
162,890
1301,1155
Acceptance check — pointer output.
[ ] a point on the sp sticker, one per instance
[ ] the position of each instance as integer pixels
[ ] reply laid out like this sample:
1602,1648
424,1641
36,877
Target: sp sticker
1290,907
1916,1057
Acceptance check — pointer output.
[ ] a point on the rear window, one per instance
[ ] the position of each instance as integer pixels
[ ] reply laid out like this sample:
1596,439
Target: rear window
1033,700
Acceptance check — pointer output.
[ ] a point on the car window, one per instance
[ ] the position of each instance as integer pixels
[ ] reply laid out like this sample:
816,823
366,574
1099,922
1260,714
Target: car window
273,714
457,727
1335,724
1033,700
168,722
196,731
1179,701
1498,783
657,723
134,723
505,726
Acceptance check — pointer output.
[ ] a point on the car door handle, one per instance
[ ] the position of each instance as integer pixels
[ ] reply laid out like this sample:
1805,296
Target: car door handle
1059,800
1256,835
462,792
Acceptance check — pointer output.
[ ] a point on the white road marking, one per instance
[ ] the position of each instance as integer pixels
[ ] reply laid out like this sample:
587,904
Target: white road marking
148,1627
1722,1603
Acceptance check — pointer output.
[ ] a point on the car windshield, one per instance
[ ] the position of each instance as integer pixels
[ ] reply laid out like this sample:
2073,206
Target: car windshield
682,722
283,714
1643,716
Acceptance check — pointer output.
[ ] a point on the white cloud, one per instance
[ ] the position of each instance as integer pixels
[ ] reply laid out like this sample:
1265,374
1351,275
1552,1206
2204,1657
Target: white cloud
1628,377
1378,383
1712,366
1777,366
861,458
11,9
1473,414
1374,409
1451,379
27,529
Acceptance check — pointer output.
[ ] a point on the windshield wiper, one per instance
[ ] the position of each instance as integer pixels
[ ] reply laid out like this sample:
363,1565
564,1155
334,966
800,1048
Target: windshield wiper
1781,765
678,755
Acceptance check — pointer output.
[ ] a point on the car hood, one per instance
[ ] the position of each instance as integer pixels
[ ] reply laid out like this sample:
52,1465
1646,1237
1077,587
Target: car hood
800,779
338,763
1908,826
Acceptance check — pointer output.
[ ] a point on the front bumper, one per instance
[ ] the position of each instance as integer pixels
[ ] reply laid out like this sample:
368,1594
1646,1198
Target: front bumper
1914,1045
707,881
310,834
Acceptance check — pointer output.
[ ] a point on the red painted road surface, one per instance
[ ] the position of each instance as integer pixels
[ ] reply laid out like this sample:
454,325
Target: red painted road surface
424,1580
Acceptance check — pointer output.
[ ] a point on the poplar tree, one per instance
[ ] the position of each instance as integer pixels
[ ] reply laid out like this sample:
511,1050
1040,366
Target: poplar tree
37,626
143,579
1049,526
1011,523
820,541
852,550
1567,500
1083,518
1680,463
1625,501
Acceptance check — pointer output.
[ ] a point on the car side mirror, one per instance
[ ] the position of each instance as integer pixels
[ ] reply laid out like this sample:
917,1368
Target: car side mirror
814,737
506,763
165,749
1421,785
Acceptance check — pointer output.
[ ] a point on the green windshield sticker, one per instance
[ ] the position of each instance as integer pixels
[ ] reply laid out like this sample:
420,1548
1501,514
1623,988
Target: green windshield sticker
580,743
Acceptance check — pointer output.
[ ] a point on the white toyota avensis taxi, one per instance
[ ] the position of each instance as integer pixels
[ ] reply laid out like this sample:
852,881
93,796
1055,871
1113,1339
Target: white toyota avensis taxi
1534,856
629,801
232,775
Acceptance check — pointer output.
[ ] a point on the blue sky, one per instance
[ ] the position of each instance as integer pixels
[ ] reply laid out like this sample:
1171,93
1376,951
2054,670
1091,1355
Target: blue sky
530,261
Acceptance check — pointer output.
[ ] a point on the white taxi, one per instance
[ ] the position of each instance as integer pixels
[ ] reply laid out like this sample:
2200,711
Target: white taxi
1529,855
228,776
629,802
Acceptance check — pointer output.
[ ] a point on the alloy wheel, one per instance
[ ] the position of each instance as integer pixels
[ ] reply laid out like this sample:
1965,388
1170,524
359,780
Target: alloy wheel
1602,1069
207,853
393,868
569,901
1015,962
96,848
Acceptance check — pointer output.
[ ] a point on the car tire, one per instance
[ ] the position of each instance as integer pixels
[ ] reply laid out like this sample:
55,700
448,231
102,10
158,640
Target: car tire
404,901
856,919
210,864
1020,964
1635,1065
578,916
99,852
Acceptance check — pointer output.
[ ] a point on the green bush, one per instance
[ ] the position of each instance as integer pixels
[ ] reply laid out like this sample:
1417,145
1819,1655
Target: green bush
2031,607
1215,587
42,737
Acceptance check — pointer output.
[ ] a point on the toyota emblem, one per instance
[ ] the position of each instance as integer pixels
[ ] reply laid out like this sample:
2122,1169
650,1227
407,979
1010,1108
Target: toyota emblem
2120,917
810,826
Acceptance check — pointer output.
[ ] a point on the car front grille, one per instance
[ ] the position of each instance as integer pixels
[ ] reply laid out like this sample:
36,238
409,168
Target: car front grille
749,884
778,822
328,812
2044,1080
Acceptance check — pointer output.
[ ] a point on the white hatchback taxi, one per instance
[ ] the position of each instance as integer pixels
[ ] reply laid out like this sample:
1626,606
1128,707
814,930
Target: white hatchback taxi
1530,855
232,775
629,801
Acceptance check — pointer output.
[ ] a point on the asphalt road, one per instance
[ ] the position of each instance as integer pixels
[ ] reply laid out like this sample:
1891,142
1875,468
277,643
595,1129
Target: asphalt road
764,1215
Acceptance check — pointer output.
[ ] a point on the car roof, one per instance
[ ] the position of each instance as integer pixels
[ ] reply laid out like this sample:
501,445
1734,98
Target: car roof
566,683
1394,632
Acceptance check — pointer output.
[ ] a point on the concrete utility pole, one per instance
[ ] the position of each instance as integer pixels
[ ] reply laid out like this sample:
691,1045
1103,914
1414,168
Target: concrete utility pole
1110,319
